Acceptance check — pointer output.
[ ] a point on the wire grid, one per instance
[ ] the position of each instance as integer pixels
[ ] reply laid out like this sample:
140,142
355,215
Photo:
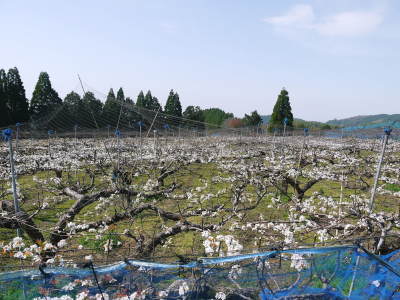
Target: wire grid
322,273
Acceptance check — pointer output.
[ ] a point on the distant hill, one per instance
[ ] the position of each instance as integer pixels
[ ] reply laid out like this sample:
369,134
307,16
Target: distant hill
369,121
300,123
357,122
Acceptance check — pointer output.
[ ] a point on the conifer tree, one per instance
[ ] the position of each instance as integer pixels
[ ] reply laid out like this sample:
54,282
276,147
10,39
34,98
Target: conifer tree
131,114
254,119
150,102
4,111
173,105
140,102
148,99
120,95
155,104
75,109
111,109
194,113
129,101
124,113
17,103
94,108
282,110
44,99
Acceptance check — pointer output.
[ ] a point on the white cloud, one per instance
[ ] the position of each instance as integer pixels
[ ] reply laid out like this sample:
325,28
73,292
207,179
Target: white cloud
349,23
298,16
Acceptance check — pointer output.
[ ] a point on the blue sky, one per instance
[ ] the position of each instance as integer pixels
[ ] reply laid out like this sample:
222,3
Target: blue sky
336,58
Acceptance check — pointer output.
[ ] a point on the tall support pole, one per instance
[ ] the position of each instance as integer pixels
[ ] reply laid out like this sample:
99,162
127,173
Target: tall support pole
273,145
152,123
117,134
7,133
49,133
284,129
378,169
340,198
301,152
17,136
155,143
285,122
75,128
140,138
354,275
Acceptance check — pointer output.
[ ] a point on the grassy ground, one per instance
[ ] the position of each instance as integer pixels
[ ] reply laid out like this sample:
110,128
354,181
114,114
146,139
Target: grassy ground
148,223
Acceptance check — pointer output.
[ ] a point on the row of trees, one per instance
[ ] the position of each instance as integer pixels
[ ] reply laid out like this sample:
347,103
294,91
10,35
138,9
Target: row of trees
46,107
14,106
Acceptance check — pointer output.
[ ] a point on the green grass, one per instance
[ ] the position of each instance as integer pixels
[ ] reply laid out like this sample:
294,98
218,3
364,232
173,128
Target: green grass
147,223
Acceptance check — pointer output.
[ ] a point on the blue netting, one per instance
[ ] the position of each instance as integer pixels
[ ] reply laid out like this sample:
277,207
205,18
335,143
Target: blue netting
321,273
393,124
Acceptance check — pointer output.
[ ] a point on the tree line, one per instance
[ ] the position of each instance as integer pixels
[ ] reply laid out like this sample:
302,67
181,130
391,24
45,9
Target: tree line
87,111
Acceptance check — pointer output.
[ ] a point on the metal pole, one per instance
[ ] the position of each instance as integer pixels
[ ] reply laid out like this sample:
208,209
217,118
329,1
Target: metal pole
140,137
117,133
17,137
378,169
154,145
48,146
75,127
13,181
8,134
273,144
354,275
152,123
341,198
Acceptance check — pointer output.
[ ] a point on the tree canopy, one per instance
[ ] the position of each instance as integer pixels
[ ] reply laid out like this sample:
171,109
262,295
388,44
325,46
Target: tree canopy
111,109
193,113
173,106
17,103
282,111
5,118
254,119
47,109
44,99
14,107
215,116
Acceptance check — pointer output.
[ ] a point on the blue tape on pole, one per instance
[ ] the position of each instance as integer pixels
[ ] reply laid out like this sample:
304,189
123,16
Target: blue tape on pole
7,134
387,130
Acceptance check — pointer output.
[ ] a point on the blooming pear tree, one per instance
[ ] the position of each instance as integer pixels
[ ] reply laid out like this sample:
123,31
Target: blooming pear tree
209,196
